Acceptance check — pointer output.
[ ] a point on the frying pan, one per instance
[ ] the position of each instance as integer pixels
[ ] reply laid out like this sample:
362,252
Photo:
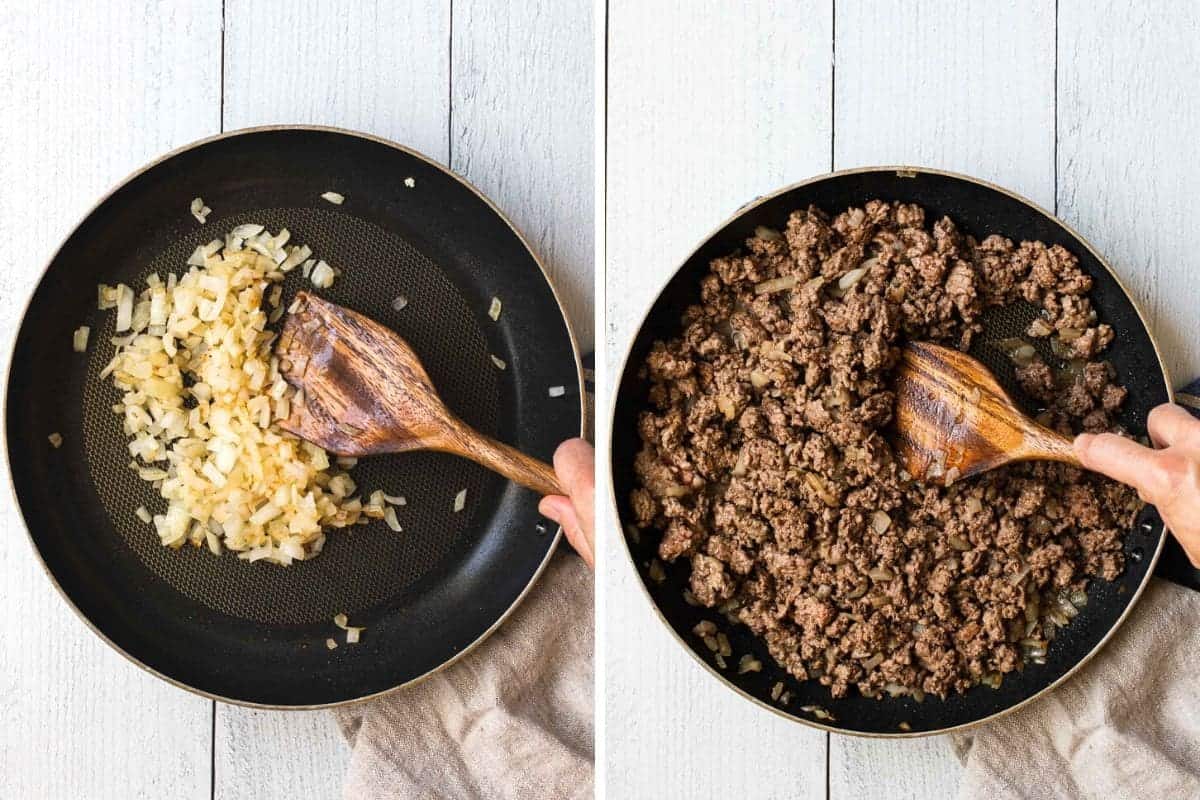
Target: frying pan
253,633
978,209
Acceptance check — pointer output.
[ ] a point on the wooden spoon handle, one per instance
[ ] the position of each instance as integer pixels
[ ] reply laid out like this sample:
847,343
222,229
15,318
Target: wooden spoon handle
508,461
1043,444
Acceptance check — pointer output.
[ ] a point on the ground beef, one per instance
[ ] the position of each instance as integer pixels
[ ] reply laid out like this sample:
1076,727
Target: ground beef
766,461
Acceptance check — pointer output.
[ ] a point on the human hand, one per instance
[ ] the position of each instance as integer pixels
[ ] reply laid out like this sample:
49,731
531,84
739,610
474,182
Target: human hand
574,463
1169,478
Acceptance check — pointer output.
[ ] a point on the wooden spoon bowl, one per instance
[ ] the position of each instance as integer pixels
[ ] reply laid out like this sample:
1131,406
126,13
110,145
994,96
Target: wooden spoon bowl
953,420
365,392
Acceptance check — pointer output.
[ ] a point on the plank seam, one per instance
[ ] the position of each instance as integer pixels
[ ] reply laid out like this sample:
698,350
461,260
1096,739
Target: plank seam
1056,107
833,83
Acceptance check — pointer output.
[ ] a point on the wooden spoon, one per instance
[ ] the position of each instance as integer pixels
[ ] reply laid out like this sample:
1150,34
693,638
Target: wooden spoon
365,392
953,420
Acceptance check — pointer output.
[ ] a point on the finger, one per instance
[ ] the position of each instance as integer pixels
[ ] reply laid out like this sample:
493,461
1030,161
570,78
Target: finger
574,464
1126,461
1172,426
559,509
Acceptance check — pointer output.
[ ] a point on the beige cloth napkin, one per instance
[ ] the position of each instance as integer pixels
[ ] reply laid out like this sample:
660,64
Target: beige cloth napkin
1127,726
513,719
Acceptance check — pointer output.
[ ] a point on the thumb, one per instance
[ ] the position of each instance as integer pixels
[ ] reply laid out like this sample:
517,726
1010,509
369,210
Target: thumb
1124,460
560,509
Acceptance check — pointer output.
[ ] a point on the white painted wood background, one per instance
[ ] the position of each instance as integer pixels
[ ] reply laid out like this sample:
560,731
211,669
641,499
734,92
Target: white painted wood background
500,91
1090,108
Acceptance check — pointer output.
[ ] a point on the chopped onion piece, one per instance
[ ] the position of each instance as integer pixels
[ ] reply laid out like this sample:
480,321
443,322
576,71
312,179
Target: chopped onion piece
322,275
557,391
394,500
851,278
80,340
200,211
56,440
399,303
124,308
352,635
334,198
409,182
246,231
341,620
460,501
494,309
389,516
143,514
499,362
331,644
295,258
776,284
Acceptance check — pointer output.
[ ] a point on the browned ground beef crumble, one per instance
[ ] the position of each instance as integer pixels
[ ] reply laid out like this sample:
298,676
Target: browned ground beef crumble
766,462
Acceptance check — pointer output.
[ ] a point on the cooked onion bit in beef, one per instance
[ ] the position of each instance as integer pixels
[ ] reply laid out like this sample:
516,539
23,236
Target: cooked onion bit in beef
766,463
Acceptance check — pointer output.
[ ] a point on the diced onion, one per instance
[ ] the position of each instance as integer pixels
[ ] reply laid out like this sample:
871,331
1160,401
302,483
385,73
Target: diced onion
322,275
295,258
200,211
494,309
851,278
80,339
557,391
409,182
958,543
460,501
246,231
498,362
331,644
341,620
399,303
389,516
776,284
333,197
352,635
56,440
201,391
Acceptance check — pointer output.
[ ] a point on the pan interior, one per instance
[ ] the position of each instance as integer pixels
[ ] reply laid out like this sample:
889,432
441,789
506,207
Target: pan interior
978,210
363,565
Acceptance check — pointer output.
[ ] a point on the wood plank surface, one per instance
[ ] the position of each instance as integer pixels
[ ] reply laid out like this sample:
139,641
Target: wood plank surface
709,104
378,67
90,93
971,90
958,86
521,130
1127,166
266,755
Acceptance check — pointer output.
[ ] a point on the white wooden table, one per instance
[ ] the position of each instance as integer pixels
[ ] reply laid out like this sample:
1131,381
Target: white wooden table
502,92
1087,108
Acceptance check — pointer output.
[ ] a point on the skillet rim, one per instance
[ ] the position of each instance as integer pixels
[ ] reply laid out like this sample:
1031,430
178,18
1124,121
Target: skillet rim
162,159
614,507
